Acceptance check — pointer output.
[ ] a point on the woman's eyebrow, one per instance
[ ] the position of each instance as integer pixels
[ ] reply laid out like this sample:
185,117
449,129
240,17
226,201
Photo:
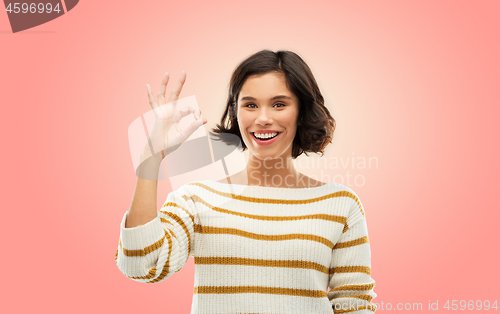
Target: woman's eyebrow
275,97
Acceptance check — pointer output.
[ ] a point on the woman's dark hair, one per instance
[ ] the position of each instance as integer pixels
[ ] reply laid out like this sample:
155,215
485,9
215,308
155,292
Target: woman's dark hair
315,124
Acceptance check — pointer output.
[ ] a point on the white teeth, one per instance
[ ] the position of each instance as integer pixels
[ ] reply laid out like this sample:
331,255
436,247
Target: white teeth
264,136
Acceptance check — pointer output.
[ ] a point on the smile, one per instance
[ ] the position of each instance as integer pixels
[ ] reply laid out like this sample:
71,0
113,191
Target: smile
265,141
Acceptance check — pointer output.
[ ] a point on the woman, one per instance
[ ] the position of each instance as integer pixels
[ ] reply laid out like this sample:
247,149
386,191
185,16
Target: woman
272,240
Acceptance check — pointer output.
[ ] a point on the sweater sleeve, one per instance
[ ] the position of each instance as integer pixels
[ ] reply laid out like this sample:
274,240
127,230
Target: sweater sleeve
351,284
154,251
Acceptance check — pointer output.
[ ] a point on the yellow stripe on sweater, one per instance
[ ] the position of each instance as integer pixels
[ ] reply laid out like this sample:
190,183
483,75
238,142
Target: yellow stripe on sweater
365,297
279,201
350,269
263,237
354,287
259,262
334,218
259,289
342,245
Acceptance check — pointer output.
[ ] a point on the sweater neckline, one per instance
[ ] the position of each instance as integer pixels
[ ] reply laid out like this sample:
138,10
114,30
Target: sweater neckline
267,188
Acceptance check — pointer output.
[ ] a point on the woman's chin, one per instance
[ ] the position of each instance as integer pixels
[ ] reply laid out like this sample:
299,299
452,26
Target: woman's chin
267,155
260,155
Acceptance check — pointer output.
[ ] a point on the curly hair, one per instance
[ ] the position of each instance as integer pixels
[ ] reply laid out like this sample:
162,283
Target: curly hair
315,125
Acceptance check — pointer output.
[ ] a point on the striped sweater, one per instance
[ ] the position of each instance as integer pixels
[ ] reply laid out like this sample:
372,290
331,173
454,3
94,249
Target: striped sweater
258,249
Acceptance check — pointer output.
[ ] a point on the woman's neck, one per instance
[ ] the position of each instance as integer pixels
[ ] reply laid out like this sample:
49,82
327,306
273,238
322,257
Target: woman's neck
276,172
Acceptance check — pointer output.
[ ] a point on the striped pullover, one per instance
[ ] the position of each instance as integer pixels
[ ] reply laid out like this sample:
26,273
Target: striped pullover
257,249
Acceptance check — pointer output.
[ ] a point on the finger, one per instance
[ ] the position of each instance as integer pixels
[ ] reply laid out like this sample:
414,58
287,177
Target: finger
163,89
151,98
187,110
174,95
193,126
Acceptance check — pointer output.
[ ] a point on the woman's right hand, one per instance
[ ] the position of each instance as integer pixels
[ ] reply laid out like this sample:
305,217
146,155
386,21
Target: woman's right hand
166,135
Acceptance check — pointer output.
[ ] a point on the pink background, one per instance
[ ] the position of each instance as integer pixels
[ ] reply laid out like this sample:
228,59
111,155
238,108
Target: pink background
413,83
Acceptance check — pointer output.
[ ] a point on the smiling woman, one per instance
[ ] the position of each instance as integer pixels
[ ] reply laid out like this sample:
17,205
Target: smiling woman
275,92
259,118
271,241
284,73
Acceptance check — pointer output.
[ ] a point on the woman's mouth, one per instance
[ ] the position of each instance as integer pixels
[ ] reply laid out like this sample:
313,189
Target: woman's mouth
265,141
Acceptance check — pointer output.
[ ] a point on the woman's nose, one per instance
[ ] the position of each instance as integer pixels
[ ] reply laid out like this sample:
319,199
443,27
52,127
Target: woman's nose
264,117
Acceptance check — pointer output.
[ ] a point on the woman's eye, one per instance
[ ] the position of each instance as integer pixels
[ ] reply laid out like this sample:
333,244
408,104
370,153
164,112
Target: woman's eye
254,105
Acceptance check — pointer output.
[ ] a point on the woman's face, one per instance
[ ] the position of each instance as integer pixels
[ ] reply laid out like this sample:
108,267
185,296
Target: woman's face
267,106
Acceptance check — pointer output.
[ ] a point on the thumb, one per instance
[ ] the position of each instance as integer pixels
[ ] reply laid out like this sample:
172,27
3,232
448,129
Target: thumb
193,126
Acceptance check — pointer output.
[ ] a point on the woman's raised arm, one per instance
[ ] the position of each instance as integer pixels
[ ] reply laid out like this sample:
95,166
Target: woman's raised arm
166,136
154,244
